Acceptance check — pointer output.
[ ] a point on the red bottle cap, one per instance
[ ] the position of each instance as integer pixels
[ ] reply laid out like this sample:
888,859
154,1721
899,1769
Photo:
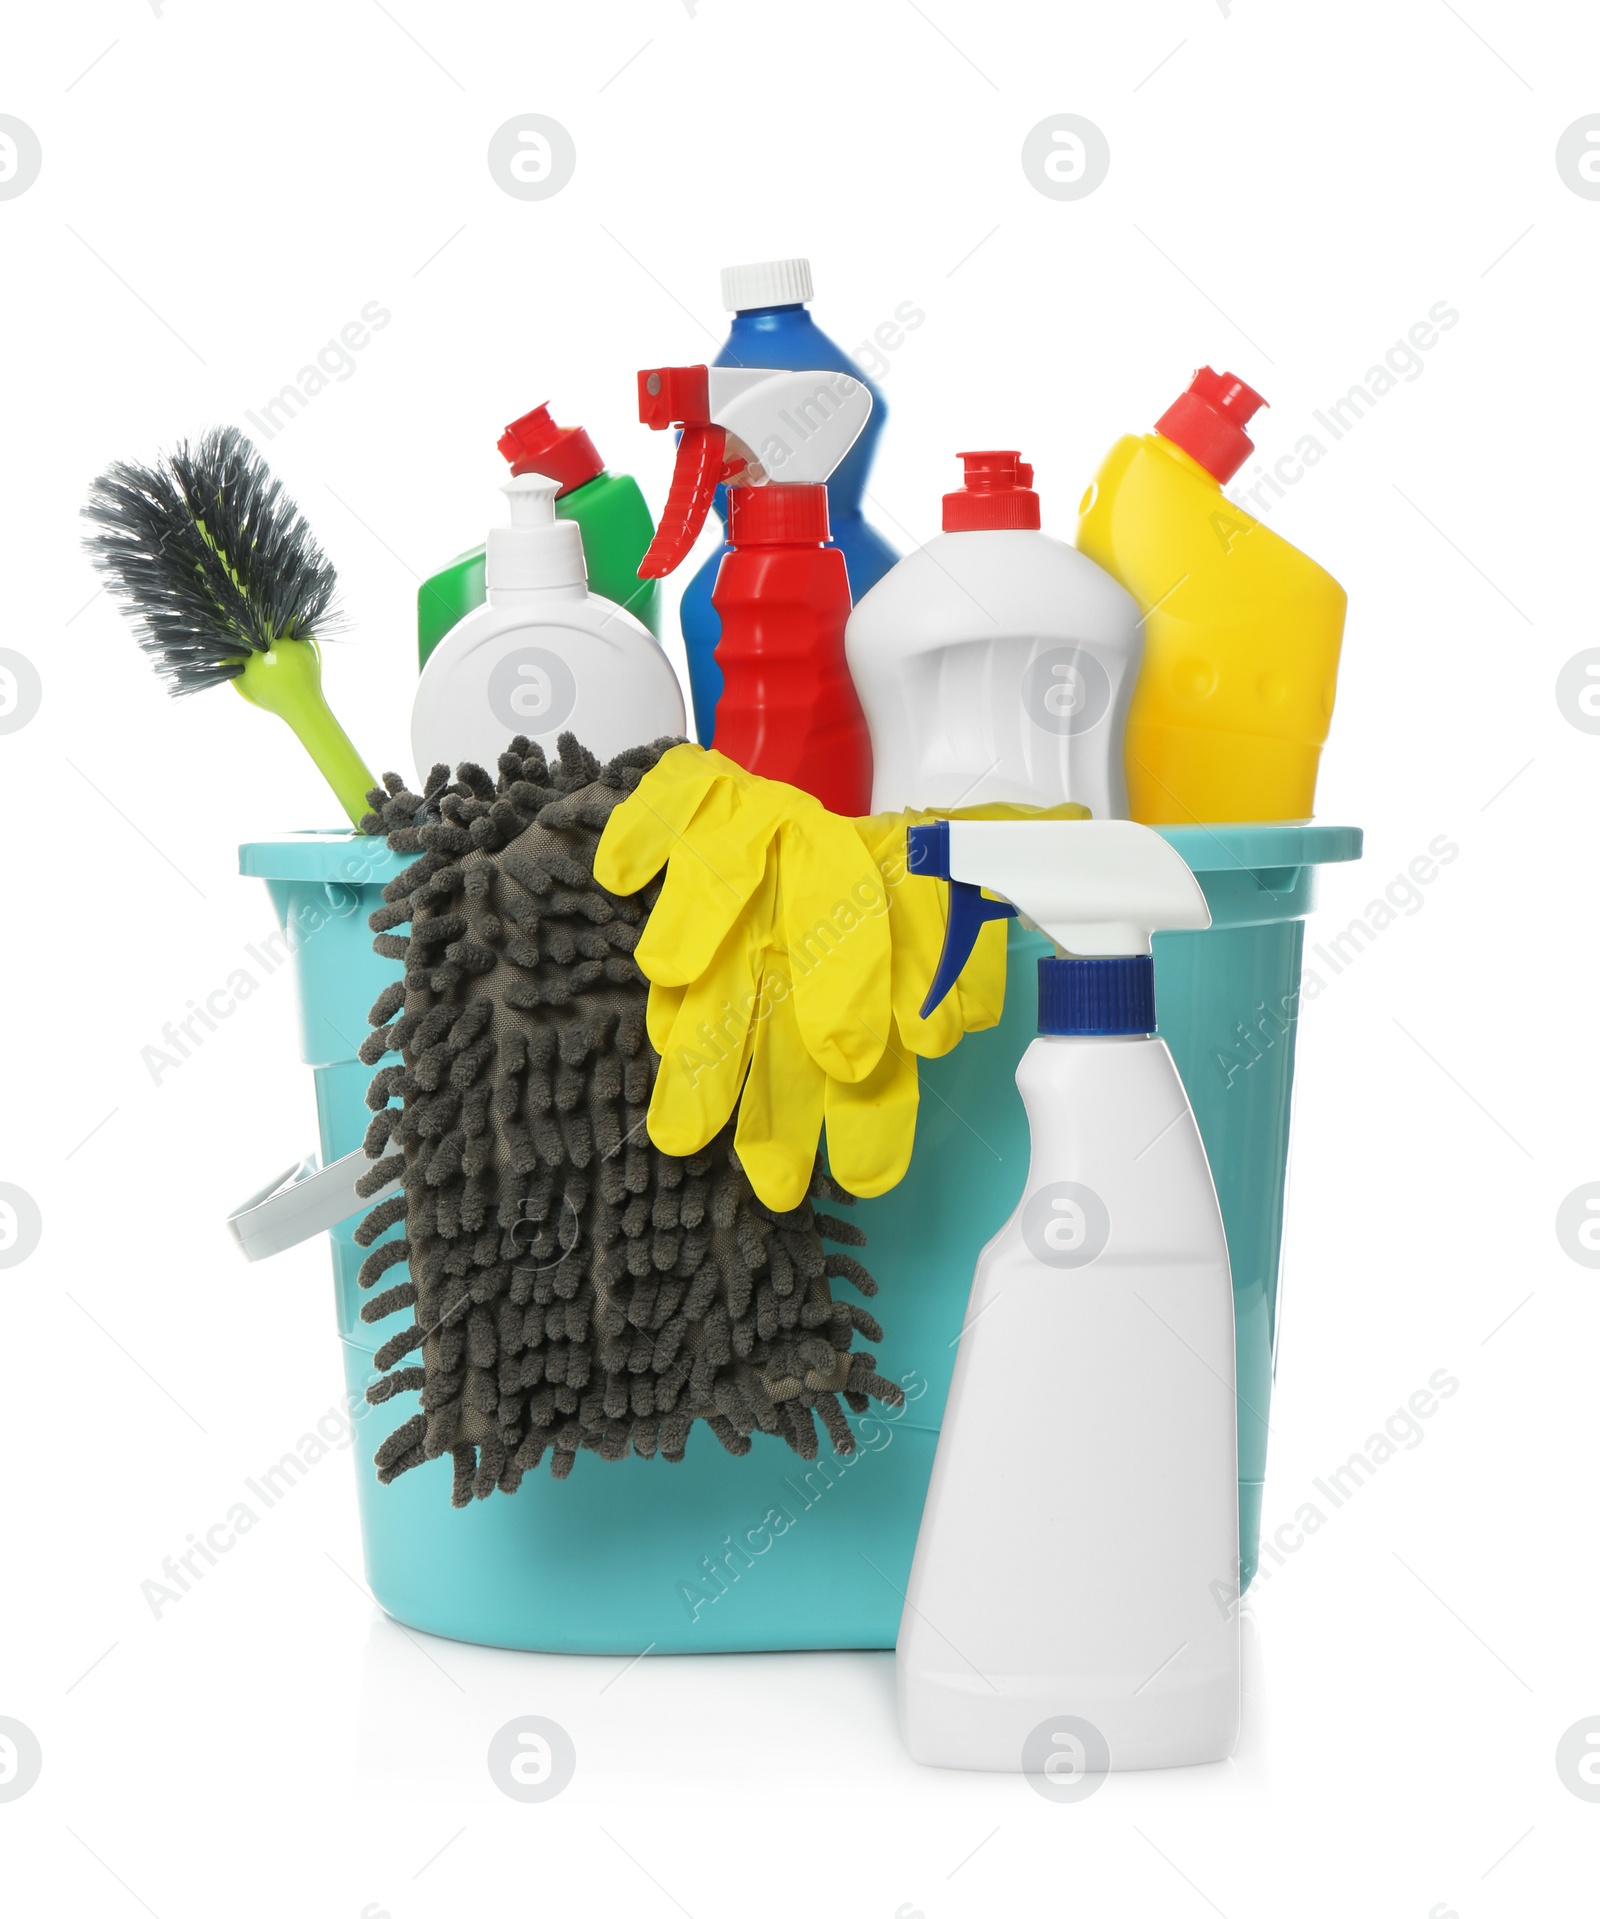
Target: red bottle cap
776,515
535,444
1209,420
998,493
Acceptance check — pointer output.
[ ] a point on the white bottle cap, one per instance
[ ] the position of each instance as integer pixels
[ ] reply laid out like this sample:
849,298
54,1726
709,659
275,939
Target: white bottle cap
766,283
536,549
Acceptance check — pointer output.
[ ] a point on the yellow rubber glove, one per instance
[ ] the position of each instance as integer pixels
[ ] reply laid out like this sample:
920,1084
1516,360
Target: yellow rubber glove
872,1123
709,1038
717,829
789,953
661,1009
781,1108
709,823
835,924
824,1023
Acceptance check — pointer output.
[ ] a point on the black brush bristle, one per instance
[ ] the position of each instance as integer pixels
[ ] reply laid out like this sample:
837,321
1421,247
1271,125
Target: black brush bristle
210,557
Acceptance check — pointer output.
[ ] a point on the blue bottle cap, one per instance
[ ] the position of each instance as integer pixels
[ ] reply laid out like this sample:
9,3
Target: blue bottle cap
1087,997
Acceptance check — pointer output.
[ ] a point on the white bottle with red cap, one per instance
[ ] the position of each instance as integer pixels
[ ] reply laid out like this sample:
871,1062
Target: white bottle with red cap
996,663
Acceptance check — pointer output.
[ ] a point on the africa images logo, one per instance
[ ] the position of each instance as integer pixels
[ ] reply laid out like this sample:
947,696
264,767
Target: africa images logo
1067,690
532,690
1066,1224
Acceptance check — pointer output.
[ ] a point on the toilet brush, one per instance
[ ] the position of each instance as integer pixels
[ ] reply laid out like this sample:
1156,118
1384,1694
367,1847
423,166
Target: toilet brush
223,580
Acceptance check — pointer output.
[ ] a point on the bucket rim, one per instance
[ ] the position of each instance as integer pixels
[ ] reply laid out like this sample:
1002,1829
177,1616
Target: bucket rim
1244,847
363,859
349,858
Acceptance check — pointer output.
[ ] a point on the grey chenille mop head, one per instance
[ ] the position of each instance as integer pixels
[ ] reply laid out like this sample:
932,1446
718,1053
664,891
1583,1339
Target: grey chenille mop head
570,1285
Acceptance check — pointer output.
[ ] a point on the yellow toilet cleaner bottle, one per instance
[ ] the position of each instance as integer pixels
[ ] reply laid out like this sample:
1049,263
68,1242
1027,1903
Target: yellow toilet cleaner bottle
1242,630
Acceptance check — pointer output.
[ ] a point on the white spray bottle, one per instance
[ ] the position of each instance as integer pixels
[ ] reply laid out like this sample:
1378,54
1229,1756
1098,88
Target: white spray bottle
1073,1599
543,655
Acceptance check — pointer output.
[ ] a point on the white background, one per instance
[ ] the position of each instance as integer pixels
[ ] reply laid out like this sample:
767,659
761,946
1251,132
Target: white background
1291,188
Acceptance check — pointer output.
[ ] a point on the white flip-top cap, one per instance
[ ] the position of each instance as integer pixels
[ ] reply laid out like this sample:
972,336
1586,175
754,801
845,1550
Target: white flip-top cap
537,549
766,283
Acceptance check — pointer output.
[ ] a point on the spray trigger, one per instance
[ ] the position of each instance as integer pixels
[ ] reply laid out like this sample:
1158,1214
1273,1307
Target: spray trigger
928,854
748,426
694,486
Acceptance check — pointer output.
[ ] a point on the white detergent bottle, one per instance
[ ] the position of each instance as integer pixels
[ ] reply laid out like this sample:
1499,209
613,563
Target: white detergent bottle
1073,1599
543,655
996,663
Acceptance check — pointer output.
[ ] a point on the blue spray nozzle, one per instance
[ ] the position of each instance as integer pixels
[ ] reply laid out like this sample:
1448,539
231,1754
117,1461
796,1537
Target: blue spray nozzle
928,850
928,854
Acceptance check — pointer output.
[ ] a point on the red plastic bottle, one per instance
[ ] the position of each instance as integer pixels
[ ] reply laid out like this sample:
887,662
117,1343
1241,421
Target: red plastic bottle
788,709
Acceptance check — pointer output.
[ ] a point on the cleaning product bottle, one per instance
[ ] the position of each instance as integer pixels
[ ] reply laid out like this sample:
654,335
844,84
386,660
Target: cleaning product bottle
544,656
609,510
772,328
1071,1603
788,709
1242,631
996,663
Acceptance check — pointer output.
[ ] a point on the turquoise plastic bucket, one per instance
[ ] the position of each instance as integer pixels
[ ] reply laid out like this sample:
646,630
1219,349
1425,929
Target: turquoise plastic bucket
767,1553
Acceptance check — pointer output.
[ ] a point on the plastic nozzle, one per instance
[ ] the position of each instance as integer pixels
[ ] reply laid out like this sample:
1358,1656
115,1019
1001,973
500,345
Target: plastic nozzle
535,444
1098,888
928,853
674,396
803,422
998,493
534,549
1208,422
533,503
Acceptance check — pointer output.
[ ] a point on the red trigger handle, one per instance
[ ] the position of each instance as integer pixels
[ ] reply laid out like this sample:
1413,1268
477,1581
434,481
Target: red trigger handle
694,485
678,396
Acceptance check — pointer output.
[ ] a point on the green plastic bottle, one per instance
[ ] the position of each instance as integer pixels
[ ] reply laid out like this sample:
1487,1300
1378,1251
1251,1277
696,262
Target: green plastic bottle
608,507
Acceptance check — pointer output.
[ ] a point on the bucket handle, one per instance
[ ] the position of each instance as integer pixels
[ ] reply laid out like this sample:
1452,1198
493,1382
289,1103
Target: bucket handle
309,1198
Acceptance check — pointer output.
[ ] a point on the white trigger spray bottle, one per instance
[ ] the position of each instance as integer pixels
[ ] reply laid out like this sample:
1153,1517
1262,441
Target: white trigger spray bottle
543,654
1072,1606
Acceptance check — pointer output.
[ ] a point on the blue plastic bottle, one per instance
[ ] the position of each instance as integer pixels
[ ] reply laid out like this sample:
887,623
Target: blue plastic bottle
771,328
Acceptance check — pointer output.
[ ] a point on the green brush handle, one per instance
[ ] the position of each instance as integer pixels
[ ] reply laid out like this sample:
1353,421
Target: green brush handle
287,680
